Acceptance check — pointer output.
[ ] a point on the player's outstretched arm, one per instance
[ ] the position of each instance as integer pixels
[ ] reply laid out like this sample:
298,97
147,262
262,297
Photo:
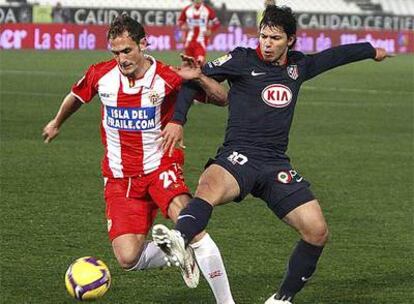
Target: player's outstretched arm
69,106
340,55
216,93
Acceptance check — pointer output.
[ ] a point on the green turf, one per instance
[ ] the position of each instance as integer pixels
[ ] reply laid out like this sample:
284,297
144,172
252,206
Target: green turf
352,137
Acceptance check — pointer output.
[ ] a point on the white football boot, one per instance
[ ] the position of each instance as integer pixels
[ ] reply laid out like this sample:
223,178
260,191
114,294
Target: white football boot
272,300
172,243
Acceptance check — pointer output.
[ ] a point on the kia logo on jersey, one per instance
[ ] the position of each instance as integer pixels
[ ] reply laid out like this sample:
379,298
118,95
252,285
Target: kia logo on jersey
277,95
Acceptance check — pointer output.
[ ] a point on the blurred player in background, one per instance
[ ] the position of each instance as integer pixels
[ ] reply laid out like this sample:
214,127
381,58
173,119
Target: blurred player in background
265,84
138,95
198,21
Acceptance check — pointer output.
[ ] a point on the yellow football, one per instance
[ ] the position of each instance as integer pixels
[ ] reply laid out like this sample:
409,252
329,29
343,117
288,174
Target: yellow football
87,278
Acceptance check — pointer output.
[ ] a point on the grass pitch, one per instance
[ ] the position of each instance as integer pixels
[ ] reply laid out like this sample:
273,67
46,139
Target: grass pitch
352,138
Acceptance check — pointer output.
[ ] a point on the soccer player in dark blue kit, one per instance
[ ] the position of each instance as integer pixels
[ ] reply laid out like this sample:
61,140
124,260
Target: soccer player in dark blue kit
264,86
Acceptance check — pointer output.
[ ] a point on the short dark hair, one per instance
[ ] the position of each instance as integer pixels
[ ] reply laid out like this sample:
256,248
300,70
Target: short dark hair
124,23
280,16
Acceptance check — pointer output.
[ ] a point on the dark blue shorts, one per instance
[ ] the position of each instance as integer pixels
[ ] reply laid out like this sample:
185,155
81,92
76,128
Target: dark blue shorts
271,179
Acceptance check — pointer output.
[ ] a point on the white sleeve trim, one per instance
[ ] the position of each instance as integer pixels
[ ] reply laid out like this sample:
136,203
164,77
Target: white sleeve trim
78,97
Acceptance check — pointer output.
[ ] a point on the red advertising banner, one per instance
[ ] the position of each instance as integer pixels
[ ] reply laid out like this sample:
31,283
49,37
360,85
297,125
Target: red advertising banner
52,37
93,37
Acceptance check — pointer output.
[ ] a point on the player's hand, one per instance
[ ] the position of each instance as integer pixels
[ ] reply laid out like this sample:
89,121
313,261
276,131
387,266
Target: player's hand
190,68
189,62
381,54
50,131
172,135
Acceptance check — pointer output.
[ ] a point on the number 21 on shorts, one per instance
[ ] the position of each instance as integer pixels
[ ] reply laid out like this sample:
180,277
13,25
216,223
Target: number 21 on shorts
168,177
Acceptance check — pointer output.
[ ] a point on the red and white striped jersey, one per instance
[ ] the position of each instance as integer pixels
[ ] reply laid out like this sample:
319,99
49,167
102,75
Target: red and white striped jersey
199,19
133,114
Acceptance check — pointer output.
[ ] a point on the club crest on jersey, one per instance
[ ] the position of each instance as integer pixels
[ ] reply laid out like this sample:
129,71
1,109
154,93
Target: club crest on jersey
154,98
277,95
221,60
293,71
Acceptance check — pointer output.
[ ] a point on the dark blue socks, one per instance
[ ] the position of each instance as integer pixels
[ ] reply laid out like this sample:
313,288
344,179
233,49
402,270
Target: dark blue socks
301,266
194,218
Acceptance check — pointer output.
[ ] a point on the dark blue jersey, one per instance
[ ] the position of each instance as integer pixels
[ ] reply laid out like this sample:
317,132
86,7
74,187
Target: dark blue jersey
262,96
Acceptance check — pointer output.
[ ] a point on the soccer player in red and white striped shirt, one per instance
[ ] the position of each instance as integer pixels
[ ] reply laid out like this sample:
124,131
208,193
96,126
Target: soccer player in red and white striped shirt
138,95
198,21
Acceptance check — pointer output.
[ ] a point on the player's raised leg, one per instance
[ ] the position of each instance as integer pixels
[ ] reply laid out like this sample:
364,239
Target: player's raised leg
206,251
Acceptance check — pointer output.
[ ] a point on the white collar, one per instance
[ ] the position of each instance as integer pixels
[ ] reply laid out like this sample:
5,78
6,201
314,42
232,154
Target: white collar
147,79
